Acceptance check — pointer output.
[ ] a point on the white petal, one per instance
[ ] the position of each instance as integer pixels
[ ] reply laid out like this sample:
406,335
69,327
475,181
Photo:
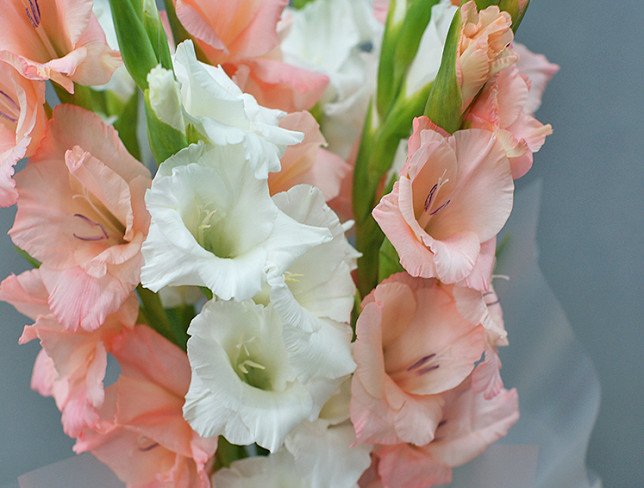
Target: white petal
319,283
324,456
164,97
219,110
229,339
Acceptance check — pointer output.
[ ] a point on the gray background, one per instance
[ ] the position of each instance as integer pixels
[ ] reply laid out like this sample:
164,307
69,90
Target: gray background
590,236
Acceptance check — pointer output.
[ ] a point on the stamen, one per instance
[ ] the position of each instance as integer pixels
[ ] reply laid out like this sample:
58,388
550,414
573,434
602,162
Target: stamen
9,109
252,364
426,370
104,214
8,117
440,208
421,362
89,221
432,196
10,100
146,444
33,12
292,277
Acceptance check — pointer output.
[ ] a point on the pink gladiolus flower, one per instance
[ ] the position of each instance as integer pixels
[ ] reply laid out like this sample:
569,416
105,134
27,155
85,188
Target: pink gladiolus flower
22,123
81,213
454,194
483,48
143,436
538,70
242,36
471,423
71,366
413,344
502,107
59,40
307,162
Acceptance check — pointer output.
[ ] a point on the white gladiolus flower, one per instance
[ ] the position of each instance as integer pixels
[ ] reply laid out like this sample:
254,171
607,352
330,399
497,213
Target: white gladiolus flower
424,68
317,285
215,225
218,109
340,38
164,97
252,381
314,456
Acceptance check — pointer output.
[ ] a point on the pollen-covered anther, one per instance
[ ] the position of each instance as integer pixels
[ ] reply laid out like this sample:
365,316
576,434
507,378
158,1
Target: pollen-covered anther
32,9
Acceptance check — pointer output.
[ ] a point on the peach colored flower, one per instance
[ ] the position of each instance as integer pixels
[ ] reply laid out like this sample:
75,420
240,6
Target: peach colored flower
22,123
242,36
483,48
413,344
454,194
71,366
538,71
81,212
307,162
502,107
59,40
470,424
143,437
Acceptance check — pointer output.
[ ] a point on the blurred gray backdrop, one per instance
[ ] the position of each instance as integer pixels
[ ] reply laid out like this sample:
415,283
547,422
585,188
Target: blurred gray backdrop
590,235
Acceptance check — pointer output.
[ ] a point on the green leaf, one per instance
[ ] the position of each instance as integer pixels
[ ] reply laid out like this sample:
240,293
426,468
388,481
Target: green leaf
27,257
389,261
179,33
368,242
517,9
416,20
482,4
136,49
298,4
444,100
126,125
165,141
156,34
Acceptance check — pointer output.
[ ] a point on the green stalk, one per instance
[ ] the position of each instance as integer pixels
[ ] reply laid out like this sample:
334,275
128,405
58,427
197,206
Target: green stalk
156,317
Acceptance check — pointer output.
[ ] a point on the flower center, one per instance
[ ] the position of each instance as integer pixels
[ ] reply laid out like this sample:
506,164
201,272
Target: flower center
208,230
248,367
430,208
101,224
421,367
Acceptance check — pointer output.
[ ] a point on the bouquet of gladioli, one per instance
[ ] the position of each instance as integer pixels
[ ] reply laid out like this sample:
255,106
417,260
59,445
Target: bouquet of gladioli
279,221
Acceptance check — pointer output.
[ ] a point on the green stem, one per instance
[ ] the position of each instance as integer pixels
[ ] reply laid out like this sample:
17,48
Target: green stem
227,453
156,317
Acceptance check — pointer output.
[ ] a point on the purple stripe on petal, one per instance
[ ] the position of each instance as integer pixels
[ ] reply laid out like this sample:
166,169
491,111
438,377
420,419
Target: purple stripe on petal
421,362
104,235
423,371
9,99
